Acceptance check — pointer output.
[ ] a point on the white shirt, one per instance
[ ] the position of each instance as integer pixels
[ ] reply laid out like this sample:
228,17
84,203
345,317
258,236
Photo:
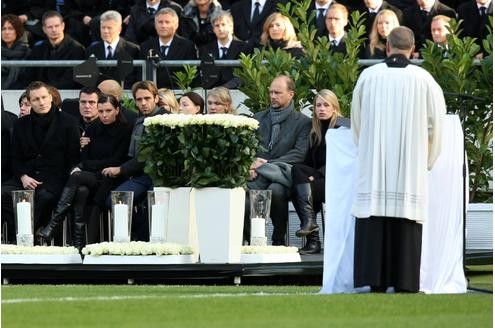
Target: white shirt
317,6
337,39
113,45
166,45
220,46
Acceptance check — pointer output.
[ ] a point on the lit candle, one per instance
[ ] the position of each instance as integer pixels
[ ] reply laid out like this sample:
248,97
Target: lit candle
257,227
24,218
121,223
158,218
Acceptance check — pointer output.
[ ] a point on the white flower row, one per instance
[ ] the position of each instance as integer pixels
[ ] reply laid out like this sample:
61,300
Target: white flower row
268,250
180,120
136,248
37,250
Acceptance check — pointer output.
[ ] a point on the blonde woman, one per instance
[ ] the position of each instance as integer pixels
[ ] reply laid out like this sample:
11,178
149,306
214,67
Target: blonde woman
167,100
279,33
385,21
308,178
219,101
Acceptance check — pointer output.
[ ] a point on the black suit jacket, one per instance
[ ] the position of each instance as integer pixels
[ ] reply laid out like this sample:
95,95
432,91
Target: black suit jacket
141,25
474,25
180,48
370,18
246,30
226,77
422,27
98,50
340,47
60,77
322,30
51,159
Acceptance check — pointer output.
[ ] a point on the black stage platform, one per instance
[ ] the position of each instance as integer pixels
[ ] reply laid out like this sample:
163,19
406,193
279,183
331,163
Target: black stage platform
307,272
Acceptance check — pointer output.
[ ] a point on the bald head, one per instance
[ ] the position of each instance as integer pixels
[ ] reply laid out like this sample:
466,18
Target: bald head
400,41
111,87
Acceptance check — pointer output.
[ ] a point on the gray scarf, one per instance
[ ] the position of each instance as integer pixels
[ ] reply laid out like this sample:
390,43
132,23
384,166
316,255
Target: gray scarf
278,116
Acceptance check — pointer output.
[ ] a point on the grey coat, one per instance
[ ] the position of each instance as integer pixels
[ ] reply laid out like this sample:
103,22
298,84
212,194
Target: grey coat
292,144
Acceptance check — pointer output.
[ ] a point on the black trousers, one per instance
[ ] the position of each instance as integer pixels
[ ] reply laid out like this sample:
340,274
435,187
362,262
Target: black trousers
387,253
44,201
300,175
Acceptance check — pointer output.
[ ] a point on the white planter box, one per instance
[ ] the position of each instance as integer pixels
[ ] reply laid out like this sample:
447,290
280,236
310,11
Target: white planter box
220,219
41,259
181,224
479,227
144,259
270,258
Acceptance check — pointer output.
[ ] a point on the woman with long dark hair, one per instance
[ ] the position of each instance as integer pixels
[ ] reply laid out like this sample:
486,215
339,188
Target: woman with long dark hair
14,47
108,145
308,178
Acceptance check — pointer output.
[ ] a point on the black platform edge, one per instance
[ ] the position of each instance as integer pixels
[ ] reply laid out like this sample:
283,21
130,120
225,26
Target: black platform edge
306,272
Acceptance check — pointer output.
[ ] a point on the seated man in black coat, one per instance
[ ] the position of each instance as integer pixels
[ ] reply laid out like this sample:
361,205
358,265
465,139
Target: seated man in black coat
225,47
141,25
167,46
418,18
113,47
474,14
45,147
57,46
337,19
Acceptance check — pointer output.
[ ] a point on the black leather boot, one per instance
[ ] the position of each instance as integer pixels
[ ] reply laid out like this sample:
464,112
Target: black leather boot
303,203
58,214
313,245
79,222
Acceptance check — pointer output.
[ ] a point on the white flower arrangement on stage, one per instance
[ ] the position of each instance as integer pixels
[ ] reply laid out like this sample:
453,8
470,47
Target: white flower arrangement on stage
136,248
37,250
268,250
181,120
198,150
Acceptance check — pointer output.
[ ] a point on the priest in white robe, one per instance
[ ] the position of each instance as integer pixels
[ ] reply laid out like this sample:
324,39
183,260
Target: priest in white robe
396,115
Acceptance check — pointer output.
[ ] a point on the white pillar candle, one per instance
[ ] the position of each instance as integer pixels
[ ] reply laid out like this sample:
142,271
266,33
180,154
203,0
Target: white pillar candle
24,218
158,218
257,227
121,221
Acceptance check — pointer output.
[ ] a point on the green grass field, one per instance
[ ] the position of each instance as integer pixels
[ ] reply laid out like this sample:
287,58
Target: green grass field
230,306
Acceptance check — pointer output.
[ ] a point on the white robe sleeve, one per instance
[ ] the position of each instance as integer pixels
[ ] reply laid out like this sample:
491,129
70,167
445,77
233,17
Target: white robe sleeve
436,112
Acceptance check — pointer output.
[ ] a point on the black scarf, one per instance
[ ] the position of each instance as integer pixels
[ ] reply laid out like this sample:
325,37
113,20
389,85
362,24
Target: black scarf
277,117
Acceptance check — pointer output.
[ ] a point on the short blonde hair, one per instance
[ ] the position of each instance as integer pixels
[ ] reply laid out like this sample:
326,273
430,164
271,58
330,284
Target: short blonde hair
223,94
289,32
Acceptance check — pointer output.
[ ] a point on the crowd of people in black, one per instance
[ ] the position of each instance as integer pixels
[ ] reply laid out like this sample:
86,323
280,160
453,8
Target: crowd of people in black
186,30
73,152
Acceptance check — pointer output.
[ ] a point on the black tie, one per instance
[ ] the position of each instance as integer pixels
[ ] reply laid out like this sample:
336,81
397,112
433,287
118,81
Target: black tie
163,50
224,52
424,14
151,11
109,53
256,12
334,43
482,11
320,20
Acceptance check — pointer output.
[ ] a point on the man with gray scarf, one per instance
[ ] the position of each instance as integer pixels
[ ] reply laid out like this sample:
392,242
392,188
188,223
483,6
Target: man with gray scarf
283,135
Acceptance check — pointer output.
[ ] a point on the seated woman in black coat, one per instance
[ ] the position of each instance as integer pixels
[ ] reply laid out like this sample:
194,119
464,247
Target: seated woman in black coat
385,21
14,47
308,178
105,143
279,33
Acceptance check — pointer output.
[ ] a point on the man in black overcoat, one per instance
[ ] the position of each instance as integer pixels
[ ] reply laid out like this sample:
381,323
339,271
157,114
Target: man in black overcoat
168,46
45,147
225,47
57,46
113,47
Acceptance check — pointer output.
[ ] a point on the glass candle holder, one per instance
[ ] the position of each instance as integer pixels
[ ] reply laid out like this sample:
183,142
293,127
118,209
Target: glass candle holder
23,201
158,204
260,201
121,216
